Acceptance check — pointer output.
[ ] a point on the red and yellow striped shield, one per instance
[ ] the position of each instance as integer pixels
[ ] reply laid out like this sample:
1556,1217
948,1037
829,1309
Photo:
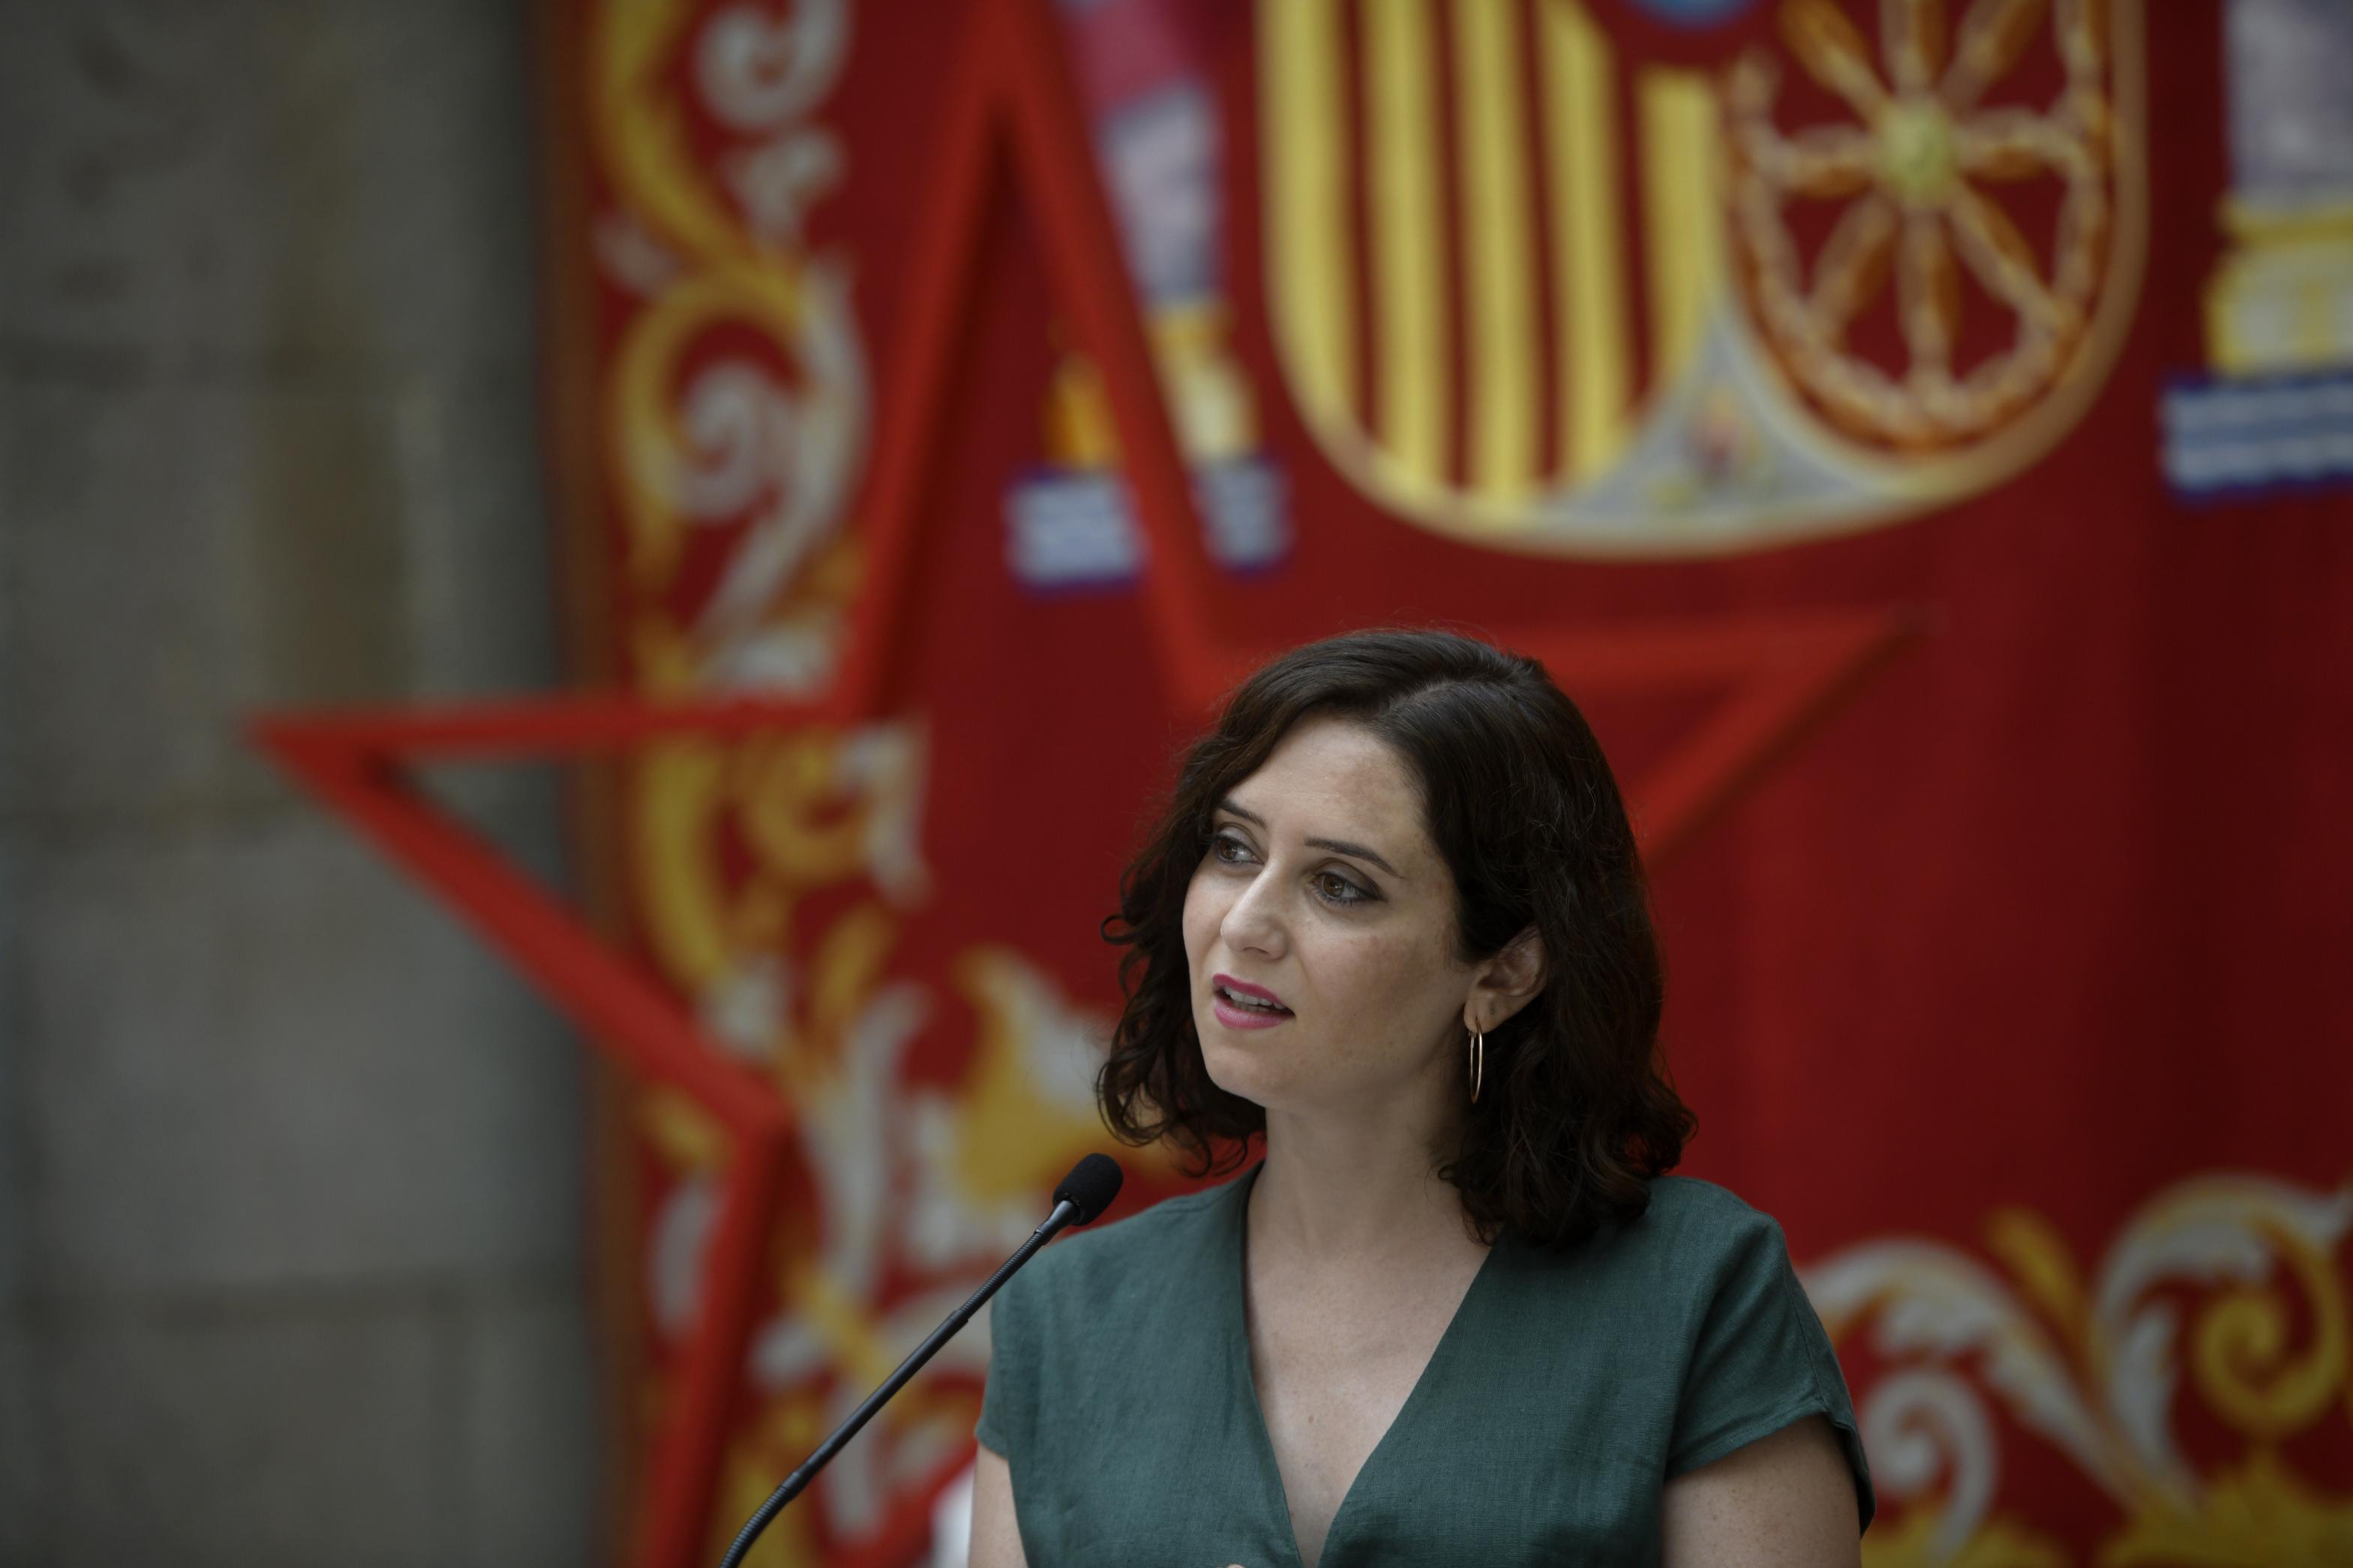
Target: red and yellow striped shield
1533,286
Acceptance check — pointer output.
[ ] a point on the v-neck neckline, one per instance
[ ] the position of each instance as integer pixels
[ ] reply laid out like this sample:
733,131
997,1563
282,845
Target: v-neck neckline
1236,1314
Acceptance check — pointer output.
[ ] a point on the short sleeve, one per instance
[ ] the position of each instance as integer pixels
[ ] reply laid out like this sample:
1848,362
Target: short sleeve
1007,1399
1761,1360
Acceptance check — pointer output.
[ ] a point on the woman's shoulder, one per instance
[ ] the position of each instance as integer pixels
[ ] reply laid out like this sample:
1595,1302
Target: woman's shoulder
1689,1234
1178,1220
1693,1207
1708,1234
1151,1250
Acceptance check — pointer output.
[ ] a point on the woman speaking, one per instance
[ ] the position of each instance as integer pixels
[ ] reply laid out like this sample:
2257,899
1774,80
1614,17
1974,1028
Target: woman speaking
1393,924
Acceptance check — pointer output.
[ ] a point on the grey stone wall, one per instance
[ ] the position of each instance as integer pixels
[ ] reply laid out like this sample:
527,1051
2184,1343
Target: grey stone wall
290,1170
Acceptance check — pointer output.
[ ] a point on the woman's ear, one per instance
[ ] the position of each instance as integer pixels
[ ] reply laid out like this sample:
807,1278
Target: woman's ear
1513,978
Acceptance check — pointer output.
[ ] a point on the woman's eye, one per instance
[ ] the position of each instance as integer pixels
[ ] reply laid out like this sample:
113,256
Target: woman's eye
1338,890
1330,886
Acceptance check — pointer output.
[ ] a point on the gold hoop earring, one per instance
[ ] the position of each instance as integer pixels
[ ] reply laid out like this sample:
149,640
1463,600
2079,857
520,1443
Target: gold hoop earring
1478,1061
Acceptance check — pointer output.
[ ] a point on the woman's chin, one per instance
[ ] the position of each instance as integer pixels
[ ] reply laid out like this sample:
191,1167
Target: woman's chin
1235,1065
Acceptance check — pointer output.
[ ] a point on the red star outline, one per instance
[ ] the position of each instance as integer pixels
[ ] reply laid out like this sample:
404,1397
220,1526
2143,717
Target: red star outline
1013,111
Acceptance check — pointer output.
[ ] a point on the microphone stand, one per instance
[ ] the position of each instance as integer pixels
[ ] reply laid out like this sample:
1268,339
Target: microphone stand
1065,1212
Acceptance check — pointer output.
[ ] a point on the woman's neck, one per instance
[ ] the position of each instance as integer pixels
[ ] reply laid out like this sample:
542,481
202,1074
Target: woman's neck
1354,1191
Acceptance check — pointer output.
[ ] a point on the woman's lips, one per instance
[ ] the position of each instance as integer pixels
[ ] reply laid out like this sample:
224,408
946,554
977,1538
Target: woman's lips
1244,989
1234,1018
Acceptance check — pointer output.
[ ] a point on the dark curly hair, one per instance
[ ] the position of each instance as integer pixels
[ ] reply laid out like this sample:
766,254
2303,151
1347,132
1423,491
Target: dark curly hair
1520,802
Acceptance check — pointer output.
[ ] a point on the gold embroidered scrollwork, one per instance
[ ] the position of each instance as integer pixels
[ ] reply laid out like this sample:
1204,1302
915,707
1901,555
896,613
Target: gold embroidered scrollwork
2094,1367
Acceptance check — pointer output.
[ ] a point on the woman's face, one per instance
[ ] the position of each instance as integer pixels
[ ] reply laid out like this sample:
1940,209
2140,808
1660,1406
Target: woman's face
1320,885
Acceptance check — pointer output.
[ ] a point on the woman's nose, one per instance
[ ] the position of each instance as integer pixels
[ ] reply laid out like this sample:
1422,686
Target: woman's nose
1254,920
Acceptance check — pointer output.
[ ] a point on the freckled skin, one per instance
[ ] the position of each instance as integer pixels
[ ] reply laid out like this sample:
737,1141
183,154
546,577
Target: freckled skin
1375,989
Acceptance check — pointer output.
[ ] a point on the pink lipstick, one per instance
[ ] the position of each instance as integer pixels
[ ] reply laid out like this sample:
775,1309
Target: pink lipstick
1238,1004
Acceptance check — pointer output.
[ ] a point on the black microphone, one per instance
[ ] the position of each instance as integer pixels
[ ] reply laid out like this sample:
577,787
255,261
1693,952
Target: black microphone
1085,1192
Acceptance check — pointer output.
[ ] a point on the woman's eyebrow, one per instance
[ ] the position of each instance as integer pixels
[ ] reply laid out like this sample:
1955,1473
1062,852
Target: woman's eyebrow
1337,846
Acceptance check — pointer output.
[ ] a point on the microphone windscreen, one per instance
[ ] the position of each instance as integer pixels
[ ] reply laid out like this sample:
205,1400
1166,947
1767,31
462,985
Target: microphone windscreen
1091,1186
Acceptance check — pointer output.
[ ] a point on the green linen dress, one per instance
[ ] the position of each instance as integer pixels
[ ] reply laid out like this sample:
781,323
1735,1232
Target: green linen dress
1567,1389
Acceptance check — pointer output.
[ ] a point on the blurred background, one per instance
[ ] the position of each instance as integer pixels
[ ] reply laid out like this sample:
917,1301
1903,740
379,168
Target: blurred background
592,594
293,1169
